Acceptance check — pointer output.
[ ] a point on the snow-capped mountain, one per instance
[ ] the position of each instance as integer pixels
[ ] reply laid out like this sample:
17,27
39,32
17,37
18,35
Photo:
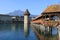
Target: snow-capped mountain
16,13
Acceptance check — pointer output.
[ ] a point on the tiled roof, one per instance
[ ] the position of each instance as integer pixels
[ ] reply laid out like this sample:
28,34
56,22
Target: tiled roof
52,8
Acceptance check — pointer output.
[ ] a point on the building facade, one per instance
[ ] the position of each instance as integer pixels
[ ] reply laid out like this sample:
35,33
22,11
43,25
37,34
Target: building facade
12,19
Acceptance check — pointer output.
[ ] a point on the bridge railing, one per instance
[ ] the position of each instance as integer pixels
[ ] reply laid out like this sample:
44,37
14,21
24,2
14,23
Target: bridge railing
51,23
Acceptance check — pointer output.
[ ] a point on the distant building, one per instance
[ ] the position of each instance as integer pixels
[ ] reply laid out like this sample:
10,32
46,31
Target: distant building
11,19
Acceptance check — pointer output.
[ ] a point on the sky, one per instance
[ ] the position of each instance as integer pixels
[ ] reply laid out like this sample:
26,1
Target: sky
35,7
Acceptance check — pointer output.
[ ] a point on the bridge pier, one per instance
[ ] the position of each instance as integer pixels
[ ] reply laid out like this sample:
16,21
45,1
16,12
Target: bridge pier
58,27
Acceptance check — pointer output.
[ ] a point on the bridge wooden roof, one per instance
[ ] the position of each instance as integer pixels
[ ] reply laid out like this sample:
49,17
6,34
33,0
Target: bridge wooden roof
52,8
37,17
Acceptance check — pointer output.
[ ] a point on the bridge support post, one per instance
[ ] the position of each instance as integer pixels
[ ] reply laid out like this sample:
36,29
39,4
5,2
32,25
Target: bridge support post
58,28
59,34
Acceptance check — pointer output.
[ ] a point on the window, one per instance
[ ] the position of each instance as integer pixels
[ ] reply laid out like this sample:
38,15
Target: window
55,17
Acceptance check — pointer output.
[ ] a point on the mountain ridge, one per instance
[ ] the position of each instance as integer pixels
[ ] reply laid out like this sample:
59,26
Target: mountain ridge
19,13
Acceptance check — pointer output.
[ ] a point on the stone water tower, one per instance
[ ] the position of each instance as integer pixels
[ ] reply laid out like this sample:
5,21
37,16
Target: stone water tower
26,21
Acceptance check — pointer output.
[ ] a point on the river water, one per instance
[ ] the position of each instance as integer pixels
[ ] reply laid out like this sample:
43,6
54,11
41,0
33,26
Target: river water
16,32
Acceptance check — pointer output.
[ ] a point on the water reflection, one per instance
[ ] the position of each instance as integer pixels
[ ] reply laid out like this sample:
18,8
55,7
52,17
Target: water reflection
13,27
16,32
51,34
26,29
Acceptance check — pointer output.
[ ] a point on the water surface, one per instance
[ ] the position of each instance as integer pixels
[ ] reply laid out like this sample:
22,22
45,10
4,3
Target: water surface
15,32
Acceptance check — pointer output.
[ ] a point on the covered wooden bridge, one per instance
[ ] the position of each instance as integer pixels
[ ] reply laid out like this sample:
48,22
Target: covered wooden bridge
51,13
48,20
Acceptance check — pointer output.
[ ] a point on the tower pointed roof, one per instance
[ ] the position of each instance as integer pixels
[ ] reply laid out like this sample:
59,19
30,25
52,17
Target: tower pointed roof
26,12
